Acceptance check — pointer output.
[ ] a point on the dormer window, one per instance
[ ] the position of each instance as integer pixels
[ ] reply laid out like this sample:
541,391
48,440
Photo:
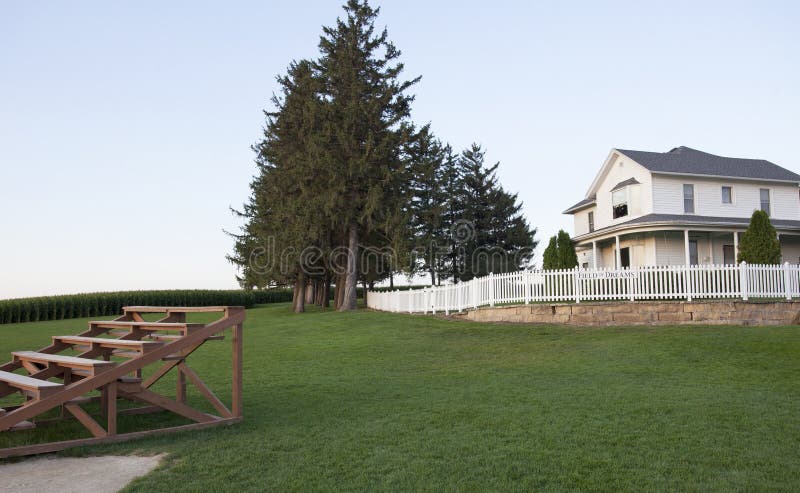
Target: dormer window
619,203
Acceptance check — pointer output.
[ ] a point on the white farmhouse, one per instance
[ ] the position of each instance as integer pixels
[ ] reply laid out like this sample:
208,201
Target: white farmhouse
681,207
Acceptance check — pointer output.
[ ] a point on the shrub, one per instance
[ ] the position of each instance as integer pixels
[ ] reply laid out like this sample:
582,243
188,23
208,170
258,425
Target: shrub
760,244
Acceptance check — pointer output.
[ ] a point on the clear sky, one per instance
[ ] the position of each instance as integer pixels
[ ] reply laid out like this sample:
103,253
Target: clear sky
125,126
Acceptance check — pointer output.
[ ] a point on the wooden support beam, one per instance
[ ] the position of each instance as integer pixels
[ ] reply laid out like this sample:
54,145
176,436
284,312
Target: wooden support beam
85,419
176,407
237,371
180,384
203,388
111,409
44,448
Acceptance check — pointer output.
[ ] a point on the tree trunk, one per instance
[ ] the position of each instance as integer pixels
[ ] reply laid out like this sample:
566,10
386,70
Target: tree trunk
391,280
367,289
326,291
300,294
351,277
310,288
433,277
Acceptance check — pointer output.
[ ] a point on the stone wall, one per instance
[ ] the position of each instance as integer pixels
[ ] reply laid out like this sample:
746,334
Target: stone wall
644,313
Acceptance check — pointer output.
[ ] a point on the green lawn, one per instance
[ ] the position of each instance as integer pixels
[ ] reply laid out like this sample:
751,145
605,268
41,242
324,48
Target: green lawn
374,401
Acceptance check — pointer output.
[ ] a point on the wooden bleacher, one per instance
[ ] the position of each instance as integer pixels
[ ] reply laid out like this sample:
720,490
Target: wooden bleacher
63,381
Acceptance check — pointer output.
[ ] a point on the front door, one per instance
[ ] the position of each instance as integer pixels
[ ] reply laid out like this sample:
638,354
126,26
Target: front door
728,255
625,257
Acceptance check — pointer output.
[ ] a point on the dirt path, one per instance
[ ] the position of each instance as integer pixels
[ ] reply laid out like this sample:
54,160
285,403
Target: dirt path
68,474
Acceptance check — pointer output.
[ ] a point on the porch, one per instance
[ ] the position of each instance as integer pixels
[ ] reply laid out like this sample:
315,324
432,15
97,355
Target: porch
673,247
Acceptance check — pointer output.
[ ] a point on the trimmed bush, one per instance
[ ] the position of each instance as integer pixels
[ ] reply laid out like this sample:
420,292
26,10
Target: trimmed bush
760,244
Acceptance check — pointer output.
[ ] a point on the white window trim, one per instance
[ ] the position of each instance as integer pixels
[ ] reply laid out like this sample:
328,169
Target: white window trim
733,198
626,189
771,212
694,199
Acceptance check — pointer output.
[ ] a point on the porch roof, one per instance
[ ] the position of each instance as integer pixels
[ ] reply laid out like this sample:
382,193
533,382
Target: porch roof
685,221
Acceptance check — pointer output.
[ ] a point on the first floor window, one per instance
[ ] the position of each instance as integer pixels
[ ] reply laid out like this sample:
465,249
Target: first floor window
764,193
688,199
619,203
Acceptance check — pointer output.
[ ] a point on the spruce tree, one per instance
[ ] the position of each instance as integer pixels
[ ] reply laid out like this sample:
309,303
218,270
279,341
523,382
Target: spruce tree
500,239
281,217
567,258
550,258
759,243
369,110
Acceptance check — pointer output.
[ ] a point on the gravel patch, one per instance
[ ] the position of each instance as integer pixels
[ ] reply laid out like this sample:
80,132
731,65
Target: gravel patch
73,475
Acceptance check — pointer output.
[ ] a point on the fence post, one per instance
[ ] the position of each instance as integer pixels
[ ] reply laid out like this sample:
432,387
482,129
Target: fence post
686,274
447,291
527,279
632,283
491,289
786,284
576,285
743,280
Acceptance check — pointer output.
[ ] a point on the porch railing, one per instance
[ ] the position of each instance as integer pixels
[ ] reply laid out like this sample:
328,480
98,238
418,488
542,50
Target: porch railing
576,285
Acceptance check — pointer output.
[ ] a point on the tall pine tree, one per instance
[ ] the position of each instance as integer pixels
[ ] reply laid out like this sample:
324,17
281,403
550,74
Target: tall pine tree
370,109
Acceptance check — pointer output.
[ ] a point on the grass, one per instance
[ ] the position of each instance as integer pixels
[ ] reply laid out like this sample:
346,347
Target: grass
376,401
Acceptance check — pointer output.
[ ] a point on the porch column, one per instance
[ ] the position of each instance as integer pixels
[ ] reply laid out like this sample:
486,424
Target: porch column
686,246
594,254
735,246
618,257
710,248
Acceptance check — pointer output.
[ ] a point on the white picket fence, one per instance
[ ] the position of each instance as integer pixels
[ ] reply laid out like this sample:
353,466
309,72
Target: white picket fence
575,285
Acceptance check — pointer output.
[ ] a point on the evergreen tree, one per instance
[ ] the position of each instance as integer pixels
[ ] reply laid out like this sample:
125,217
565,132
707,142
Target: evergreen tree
282,210
368,127
567,257
432,182
560,252
550,259
498,237
759,243
341,165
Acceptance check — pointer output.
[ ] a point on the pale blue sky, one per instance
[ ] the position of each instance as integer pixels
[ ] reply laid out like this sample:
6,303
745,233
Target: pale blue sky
125,127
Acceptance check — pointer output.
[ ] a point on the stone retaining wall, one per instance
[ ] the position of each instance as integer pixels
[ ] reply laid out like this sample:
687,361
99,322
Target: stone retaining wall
645,313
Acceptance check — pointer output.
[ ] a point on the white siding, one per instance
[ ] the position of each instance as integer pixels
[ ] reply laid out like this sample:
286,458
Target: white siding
581,219
669,247
640,199
668,197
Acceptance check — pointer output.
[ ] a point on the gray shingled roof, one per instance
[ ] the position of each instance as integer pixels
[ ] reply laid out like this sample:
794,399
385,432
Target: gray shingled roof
583,203
684,160
689,220
629,181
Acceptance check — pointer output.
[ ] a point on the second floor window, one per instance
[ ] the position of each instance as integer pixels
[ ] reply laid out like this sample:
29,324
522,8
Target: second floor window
688,199
591,221
727,195
619,203
764,193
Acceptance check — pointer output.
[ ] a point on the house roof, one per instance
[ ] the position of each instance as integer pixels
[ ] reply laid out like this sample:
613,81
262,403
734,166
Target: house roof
581,205
687,161
687,220
623,184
